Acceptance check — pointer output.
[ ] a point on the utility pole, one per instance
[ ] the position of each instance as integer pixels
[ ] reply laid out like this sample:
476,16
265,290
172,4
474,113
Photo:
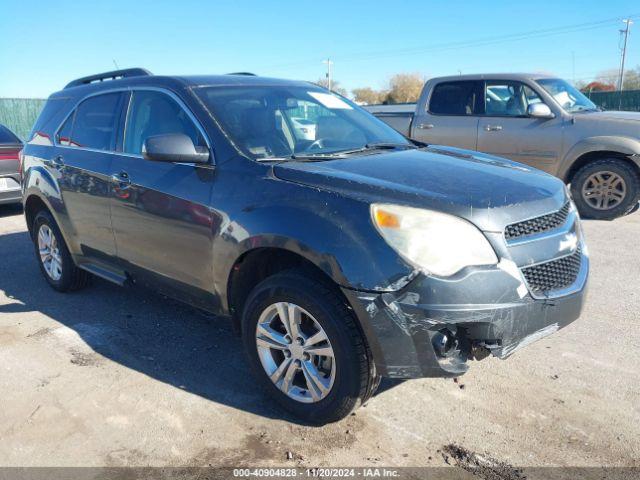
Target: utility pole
628,23
329,63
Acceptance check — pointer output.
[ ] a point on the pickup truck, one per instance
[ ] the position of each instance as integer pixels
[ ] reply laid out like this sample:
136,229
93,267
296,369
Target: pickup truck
539,120
341,258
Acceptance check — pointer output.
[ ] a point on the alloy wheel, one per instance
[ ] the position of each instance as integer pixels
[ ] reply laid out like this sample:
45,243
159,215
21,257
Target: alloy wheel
49,252
295,352
604,190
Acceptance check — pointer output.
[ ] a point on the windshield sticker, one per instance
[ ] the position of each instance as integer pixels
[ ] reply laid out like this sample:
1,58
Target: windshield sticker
330,101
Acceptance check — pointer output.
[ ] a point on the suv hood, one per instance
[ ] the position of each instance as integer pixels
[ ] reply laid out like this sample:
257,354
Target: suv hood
488,191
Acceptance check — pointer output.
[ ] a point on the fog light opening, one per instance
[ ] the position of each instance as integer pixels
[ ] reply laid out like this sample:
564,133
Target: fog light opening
444,343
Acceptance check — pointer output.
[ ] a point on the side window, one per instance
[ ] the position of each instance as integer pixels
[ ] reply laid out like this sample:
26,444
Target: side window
155,113
456,98
509,99
64,134
95,122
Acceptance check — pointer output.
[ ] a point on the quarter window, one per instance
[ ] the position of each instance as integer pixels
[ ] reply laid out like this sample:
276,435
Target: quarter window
93,124
456,98
509,99
64,134
155,113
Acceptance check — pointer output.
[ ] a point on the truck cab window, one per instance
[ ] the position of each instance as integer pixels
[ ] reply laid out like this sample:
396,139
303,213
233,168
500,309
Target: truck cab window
455,98
510,99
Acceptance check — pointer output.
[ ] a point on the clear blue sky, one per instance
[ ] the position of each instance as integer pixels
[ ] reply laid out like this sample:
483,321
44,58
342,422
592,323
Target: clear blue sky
48,43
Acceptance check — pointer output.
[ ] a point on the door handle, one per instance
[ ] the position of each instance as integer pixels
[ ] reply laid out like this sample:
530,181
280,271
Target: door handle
56,162
426,126
493,128
122,179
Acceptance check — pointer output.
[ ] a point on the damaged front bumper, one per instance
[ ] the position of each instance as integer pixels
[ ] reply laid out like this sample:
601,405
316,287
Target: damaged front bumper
432,326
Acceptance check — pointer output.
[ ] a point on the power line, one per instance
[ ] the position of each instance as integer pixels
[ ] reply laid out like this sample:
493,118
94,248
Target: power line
471,43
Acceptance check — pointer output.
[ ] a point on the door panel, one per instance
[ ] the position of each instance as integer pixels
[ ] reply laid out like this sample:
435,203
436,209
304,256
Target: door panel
161,220
82,161
85,184
454,131
507,131
159,210
451,115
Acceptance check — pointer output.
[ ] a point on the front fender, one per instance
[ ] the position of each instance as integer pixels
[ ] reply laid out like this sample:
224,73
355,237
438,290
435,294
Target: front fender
339,239
625,145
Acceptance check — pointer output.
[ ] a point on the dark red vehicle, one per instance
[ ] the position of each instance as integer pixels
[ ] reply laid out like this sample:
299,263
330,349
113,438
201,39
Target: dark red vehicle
10,146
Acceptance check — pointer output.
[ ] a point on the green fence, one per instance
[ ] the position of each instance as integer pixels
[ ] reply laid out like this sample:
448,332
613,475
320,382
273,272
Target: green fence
628,100
19,114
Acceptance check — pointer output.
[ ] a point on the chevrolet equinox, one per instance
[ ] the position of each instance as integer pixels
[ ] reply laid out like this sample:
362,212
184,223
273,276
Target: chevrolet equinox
341,257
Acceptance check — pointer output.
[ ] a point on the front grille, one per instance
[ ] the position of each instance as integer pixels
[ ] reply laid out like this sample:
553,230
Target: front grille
553,275
538,224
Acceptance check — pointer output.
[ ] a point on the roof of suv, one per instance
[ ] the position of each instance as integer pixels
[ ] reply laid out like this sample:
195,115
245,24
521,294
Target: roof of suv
116,79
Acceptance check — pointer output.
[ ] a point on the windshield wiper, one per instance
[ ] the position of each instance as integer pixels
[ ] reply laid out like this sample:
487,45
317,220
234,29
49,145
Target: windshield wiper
339,153
374,146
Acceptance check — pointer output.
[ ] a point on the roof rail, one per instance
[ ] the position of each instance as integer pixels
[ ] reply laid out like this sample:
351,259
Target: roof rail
127,72
248,74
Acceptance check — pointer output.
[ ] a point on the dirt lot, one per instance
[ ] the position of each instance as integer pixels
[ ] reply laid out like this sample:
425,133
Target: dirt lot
112,377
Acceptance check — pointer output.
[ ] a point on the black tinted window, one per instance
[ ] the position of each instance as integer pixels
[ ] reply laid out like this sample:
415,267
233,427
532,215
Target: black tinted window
95,122
6,136
155,113
455,98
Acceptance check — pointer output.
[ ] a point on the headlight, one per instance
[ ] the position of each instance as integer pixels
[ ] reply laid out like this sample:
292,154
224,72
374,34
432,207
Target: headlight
435,242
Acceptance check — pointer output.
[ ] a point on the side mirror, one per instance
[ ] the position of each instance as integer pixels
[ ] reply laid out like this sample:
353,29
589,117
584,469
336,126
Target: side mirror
539,110
173,147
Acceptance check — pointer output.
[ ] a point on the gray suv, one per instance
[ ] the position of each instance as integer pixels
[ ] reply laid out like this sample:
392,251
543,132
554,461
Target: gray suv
340,258
538,120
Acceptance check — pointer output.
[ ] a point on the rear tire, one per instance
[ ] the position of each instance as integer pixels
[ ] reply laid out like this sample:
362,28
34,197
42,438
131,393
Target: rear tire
348,371
53,256
605,189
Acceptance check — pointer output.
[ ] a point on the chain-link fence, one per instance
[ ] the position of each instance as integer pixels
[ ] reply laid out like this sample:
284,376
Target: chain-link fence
19,114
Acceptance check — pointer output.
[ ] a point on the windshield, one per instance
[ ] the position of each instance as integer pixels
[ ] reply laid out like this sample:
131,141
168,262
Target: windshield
264,121
569,97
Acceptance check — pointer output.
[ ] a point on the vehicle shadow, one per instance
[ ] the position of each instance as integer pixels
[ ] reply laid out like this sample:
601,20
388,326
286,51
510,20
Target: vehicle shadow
162,338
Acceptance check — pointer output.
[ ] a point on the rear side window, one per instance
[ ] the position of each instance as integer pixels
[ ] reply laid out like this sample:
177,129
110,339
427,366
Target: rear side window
456,98
155,113
93,124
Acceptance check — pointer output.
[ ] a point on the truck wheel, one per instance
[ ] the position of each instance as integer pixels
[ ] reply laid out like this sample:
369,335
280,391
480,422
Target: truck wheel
305,348
605,189
53,256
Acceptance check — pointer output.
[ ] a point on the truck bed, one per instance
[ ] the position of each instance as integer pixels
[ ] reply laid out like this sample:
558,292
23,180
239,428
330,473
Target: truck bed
397,116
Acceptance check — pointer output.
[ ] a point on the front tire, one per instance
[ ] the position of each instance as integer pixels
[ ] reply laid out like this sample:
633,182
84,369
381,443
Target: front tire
305,348
605,189
53,256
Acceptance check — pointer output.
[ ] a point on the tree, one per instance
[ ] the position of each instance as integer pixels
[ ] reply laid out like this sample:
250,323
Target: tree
368,95
335,86
598,87
405,88
631,78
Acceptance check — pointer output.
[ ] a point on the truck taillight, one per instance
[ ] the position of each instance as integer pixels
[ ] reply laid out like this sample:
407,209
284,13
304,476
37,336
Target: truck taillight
10,155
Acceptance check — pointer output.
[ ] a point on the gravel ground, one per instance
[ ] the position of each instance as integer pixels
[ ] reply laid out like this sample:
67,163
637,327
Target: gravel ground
121,377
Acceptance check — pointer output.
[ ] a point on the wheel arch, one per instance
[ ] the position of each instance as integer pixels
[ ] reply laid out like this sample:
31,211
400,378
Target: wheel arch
32,205
595,148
